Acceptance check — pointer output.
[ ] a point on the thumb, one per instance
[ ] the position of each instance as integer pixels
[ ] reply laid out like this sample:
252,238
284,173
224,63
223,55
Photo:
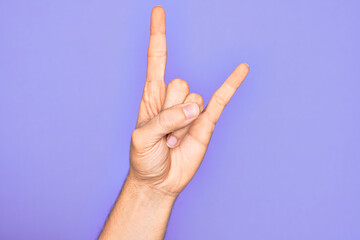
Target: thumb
167,121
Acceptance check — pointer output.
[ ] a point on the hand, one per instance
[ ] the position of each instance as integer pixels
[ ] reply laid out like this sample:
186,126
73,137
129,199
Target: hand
170,140
173,131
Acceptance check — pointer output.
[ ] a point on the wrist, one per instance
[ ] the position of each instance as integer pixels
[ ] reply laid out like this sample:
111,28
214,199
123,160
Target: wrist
139,212
148,191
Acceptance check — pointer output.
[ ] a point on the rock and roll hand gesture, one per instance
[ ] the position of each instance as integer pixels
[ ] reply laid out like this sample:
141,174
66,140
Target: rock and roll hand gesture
172,134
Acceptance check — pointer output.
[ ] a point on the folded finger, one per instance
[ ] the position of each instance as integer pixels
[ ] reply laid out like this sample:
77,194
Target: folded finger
175,137
176,92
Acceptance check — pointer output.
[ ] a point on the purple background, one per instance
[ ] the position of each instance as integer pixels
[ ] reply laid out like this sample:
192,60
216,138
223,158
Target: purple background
283,163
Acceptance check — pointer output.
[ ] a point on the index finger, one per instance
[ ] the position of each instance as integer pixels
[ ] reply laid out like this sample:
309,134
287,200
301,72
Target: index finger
157,46
222,96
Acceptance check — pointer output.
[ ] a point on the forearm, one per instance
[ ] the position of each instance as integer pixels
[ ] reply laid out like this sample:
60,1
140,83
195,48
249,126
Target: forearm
140,212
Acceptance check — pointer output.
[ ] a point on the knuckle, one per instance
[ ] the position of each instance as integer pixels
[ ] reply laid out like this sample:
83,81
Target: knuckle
136,138
156,54
220,99
194,97
179,84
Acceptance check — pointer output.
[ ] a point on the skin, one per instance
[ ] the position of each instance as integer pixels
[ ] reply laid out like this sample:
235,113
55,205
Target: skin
172,134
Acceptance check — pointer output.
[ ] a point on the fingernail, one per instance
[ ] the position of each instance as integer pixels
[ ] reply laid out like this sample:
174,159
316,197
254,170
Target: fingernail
191,110
171,141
